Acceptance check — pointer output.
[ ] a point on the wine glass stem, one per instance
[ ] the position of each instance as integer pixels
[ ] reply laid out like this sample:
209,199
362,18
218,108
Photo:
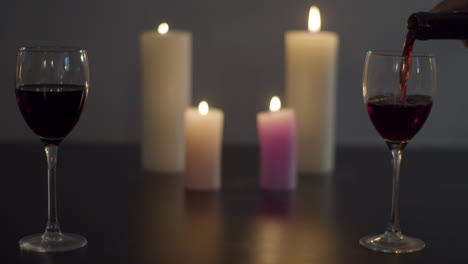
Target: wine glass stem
397,150
52,231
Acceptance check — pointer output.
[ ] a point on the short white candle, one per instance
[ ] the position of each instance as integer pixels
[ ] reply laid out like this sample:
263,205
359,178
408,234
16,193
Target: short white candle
203,141
166,65
311,58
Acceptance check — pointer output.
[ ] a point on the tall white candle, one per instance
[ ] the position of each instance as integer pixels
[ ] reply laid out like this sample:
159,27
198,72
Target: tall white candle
203,141
166,65
311,58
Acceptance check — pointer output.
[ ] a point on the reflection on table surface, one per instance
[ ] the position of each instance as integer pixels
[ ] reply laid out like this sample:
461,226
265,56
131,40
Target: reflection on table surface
132,216
247,226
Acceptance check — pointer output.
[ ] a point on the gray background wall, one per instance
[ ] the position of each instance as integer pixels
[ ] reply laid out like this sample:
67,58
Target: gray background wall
238,60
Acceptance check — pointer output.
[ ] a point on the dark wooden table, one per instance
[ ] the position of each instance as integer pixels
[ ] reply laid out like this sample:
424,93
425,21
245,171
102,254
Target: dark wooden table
132,216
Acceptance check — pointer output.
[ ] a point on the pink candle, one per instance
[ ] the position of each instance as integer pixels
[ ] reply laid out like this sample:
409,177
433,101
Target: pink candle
277,138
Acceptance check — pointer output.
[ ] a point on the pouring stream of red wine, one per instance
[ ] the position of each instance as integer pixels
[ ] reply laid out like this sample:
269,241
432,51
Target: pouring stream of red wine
405,69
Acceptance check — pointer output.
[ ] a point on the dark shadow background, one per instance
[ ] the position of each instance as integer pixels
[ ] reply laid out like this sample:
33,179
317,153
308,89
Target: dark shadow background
238,61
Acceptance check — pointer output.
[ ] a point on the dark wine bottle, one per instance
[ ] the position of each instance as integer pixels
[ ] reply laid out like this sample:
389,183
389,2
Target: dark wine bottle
426,25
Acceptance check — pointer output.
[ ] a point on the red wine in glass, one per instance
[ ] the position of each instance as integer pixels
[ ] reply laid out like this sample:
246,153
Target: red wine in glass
51,88
51,110
398,115
398,103
398,121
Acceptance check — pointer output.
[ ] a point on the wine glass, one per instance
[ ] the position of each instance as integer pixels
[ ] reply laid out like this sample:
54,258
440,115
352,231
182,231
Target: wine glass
398,93
51,90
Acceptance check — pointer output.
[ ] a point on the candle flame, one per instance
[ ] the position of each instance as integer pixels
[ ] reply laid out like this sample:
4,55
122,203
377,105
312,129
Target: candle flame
314,19
203,108
275,104
163,28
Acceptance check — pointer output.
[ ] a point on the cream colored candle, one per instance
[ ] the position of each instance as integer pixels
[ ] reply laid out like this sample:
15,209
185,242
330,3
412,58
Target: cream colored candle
203,141
166,65
311,58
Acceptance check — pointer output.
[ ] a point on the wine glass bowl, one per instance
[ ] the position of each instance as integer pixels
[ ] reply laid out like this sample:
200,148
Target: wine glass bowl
51,91
53,111
398,94
398,122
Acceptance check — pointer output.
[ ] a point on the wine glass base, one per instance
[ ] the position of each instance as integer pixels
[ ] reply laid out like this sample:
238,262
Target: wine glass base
390,242
67,242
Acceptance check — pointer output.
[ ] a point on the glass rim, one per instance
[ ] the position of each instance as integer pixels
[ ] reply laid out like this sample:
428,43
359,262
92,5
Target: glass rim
397,54
51,49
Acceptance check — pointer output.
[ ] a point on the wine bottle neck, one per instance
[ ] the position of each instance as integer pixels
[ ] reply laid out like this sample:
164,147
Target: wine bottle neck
425,25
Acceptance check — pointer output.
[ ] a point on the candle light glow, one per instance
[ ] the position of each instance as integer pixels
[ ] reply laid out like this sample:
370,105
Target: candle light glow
163,28
314,19
203,108
275,104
